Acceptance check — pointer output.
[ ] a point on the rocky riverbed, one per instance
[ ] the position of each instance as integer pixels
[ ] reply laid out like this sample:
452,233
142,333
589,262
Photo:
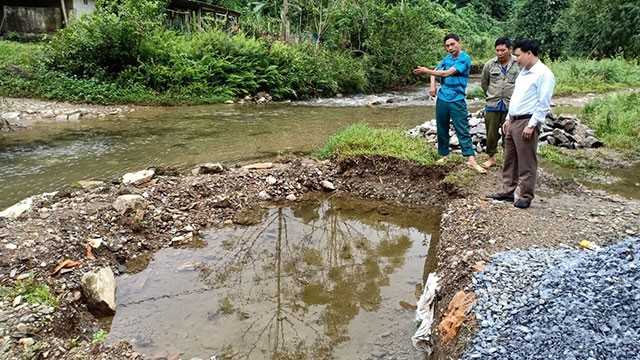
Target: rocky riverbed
16,113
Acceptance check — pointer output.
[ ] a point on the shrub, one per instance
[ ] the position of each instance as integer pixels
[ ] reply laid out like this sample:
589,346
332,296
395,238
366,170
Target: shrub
581,75
106,42
615,120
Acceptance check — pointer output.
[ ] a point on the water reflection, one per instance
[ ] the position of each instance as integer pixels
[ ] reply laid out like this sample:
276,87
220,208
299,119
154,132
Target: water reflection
312,281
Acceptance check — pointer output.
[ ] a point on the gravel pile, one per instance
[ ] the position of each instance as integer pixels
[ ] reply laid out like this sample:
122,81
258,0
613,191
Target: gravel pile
559,304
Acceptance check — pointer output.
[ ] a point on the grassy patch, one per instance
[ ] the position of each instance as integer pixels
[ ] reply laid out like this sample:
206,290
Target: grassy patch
465,334
555,156
16,54
580,76
99,337
476,93
464,178
31,291
364,140
615,120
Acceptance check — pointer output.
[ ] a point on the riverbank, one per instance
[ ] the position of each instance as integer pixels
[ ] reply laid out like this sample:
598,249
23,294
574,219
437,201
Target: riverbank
177,207
20,113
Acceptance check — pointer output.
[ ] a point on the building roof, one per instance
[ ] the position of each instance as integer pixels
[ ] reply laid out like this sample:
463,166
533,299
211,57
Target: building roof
195,5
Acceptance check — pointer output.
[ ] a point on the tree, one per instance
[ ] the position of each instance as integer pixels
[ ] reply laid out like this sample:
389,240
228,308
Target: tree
538,19
604,28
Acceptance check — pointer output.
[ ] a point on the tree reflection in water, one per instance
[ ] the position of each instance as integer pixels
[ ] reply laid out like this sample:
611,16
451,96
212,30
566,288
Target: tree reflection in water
289,287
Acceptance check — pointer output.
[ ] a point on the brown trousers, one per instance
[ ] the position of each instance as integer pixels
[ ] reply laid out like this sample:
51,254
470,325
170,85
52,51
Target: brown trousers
520,165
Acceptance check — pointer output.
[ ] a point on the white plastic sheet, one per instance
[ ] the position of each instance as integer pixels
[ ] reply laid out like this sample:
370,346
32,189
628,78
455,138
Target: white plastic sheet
425,314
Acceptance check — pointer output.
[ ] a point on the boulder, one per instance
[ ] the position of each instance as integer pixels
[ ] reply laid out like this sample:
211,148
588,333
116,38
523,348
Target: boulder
99,288
560,136
592,142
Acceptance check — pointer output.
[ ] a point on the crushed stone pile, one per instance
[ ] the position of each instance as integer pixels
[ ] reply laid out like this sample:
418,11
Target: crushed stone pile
559,304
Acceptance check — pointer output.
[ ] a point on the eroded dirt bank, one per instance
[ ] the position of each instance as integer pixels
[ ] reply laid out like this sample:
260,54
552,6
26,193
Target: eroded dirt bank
472,229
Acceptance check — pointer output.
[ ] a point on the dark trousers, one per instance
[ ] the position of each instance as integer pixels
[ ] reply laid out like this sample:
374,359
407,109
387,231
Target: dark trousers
455,111
493,120
520,161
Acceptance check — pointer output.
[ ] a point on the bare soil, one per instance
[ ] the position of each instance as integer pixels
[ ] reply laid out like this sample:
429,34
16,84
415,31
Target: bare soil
472,229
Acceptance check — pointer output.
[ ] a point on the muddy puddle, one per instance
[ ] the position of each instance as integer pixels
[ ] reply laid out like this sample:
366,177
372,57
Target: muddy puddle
315,280
624,181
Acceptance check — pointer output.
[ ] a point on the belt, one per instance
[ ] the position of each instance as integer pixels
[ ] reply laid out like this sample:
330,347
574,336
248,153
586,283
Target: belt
520,117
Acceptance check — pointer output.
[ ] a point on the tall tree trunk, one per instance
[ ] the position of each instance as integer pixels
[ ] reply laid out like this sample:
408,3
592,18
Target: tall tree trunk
287,21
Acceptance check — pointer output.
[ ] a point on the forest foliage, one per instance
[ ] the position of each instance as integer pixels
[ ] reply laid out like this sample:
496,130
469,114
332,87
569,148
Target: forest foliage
294,49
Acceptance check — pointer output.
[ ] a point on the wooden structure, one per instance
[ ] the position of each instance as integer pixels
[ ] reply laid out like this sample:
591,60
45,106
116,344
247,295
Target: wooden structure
47,16
188,12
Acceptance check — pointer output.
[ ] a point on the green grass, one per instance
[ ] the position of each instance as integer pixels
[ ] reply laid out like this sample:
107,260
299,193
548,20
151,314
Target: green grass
576,160
364,140
17,54
580,76
31,291
99,337
616,120
476,93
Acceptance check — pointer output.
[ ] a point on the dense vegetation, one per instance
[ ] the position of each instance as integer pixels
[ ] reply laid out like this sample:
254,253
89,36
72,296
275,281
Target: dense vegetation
293,49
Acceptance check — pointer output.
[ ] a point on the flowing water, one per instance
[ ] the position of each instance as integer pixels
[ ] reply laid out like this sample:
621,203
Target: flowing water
53,155
317,280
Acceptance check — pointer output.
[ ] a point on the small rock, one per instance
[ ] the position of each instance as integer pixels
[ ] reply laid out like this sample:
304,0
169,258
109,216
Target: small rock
48,114
90,184
26,341
139,177
271,180
263,195
327,185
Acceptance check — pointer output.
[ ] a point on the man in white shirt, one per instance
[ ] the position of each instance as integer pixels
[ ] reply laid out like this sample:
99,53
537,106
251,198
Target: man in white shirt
530,103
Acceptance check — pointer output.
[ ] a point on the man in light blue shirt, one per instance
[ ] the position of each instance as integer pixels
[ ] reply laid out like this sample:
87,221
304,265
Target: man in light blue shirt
453,72
530,103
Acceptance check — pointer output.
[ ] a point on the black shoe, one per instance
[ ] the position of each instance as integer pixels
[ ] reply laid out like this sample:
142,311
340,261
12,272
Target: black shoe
522,204
501,197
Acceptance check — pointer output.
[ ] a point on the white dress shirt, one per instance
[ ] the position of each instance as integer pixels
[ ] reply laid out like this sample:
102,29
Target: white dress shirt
532,93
